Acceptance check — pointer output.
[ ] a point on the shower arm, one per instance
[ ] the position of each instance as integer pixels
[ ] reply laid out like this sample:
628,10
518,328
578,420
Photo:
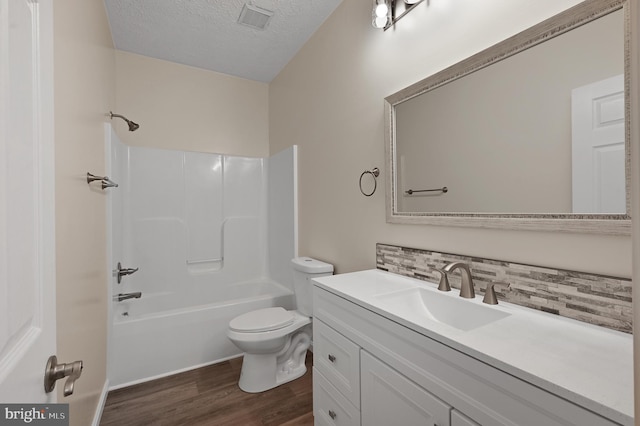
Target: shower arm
111,114
132,126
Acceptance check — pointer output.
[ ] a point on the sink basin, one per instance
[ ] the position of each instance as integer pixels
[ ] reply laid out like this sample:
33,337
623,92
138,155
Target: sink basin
419,304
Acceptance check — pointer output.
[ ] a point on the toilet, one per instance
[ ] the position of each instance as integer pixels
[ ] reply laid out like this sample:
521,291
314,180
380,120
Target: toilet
275,340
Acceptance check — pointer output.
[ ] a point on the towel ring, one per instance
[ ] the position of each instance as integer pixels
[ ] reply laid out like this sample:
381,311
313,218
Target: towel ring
375,172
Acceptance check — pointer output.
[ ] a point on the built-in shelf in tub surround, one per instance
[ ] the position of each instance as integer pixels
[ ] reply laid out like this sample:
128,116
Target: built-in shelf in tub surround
595,299
523,367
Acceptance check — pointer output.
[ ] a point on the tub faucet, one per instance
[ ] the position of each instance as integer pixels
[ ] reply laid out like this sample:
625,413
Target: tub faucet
124,296
466,288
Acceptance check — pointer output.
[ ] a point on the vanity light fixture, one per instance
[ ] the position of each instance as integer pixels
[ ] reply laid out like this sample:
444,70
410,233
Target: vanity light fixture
381,14
385,12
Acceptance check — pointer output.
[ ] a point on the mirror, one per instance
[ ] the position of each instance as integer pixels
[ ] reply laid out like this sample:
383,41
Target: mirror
532,133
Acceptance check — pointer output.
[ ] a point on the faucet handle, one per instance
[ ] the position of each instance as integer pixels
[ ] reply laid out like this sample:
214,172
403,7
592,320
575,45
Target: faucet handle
444,280
120,272
490,294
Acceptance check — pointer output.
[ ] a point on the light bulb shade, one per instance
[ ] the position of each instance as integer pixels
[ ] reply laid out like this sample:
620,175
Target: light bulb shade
379,21
380,14
381,10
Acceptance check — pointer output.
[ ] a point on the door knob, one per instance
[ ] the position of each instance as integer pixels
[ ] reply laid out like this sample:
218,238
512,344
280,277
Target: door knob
54,372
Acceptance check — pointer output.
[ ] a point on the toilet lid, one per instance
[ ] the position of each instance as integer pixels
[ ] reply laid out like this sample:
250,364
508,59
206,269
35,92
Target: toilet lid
262,320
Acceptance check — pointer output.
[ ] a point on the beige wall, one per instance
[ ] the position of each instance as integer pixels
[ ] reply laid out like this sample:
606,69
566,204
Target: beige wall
182,107
84,88
329,101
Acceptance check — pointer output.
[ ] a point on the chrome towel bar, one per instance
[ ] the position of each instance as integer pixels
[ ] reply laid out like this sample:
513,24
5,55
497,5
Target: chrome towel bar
444,190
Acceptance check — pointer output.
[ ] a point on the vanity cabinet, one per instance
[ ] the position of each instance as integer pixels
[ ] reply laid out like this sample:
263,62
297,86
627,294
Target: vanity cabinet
370,370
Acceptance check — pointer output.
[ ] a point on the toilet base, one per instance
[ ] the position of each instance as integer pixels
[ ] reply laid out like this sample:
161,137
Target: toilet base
273,357
260,373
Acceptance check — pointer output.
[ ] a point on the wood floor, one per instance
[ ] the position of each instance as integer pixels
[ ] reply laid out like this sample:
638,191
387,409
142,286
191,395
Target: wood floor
210,396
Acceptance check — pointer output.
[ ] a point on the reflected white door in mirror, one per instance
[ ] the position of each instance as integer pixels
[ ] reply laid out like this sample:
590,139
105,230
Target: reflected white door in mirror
597,143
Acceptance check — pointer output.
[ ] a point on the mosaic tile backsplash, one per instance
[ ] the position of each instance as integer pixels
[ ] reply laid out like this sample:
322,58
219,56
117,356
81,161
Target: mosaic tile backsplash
596,299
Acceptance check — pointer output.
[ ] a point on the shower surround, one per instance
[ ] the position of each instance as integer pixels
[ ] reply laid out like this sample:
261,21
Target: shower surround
212,235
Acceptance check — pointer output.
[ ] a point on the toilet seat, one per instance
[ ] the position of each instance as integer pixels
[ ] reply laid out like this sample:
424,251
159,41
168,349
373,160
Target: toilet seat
262,320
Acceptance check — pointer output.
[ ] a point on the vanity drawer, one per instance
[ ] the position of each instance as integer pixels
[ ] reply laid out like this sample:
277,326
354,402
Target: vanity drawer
330,407
338,359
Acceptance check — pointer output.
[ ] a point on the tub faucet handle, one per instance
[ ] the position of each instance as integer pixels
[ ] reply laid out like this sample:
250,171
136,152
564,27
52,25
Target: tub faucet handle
121,272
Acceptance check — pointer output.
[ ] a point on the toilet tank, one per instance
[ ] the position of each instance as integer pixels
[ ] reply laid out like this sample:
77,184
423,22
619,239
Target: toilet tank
304,269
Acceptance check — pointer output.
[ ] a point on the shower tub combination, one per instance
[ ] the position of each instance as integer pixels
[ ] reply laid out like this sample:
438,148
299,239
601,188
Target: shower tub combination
212,236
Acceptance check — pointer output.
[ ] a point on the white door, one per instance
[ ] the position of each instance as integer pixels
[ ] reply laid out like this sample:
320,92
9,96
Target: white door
598,147
27,268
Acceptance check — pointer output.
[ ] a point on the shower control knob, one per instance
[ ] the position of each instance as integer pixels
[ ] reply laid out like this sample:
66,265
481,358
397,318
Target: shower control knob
121,272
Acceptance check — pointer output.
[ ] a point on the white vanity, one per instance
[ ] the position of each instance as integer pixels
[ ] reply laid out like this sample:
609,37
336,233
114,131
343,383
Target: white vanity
394,351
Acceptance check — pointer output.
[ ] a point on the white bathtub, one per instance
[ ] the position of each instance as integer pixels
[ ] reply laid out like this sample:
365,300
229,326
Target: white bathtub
162,334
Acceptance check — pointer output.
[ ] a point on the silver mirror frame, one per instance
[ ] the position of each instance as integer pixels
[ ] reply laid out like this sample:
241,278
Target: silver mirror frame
574,17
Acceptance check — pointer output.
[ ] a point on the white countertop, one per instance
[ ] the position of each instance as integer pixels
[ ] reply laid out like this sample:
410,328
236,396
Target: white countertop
589,365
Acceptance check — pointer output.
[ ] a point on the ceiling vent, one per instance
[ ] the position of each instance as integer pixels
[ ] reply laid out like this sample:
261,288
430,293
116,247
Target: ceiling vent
255,17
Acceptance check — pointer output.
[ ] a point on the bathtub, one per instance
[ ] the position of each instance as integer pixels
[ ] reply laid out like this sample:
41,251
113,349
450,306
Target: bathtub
167,333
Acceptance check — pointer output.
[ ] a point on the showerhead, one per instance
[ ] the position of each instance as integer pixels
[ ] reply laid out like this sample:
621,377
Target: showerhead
132,126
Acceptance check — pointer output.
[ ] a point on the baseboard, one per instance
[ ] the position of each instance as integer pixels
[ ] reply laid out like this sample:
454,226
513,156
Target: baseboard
172,372
101,404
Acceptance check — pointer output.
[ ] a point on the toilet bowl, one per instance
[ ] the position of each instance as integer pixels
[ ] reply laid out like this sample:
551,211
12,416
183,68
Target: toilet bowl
275,340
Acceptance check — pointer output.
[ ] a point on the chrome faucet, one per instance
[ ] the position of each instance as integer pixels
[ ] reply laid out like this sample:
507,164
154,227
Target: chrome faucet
466,288
124,296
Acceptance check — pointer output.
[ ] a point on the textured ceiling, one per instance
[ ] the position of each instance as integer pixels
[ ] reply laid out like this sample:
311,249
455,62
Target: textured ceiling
206,33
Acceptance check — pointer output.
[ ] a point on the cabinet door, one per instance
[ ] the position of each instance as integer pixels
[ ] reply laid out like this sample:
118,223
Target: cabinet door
459,419
389,398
